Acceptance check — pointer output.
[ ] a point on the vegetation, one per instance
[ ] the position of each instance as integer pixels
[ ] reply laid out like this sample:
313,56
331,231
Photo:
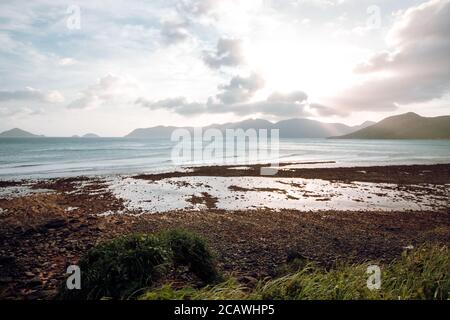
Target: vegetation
420,274
119,268
227,290
188,249
128,266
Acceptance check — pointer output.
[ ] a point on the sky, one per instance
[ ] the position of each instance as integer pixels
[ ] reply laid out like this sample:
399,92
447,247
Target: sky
72,67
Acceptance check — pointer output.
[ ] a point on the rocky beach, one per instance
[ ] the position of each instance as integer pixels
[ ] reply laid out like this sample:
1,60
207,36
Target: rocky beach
252,223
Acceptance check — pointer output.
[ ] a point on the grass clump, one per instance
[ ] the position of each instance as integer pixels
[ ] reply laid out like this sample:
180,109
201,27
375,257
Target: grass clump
192,251
119,268
314,283
227,290
423,273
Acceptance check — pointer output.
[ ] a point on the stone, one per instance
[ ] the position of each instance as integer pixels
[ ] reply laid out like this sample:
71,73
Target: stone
55,224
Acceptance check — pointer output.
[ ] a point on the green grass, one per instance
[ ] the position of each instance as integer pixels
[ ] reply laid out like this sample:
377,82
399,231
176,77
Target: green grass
135,266
122,267
423,273
119,267
190,250
227,290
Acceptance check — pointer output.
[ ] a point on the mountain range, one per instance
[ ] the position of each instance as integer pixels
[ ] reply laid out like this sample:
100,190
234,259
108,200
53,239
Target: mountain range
292,128
405,126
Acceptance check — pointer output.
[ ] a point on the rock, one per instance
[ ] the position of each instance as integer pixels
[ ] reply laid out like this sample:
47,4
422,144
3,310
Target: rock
31,231
7,260
249,281
55,224
6,280
36,281
293,254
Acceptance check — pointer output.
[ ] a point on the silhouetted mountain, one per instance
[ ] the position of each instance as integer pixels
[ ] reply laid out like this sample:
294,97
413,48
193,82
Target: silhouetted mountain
305,128
18,133
154,132
405,126
91,135
365,124
245,125
293,128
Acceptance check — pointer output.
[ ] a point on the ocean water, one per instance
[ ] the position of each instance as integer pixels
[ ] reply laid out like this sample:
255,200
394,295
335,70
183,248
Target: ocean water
63,157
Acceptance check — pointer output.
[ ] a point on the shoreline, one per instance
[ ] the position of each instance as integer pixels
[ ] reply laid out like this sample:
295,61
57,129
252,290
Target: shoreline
42,233
313,164
292,169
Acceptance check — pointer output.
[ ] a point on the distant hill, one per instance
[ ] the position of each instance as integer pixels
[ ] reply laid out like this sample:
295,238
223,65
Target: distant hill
91,135
256,124
293,128
18,133
305,128
154,132
405,126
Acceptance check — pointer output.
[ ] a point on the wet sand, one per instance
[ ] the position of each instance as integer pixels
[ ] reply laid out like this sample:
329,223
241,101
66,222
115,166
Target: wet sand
41,233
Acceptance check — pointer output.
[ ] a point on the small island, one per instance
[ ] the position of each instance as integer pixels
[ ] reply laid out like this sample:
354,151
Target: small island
91,135
18,133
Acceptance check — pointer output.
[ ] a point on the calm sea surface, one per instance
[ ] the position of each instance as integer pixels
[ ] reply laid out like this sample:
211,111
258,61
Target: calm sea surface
57,157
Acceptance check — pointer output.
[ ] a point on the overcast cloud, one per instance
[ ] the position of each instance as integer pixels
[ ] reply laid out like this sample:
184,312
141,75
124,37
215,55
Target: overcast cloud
228,53
177,62
415,68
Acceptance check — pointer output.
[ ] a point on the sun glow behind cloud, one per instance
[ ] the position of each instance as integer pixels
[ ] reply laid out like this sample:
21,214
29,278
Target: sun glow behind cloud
293,53
288,63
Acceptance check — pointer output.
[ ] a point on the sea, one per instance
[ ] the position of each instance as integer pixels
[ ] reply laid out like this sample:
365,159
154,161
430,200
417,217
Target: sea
29,158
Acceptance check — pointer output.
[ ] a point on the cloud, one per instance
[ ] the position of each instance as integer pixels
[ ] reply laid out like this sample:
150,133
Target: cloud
196,8
178,105
32,95
326,111
292,104
415,69
33,99
292,97
66,62
108,89
228,53
240,89
188,14
234,98
272,108
174,31
182,106
11,111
